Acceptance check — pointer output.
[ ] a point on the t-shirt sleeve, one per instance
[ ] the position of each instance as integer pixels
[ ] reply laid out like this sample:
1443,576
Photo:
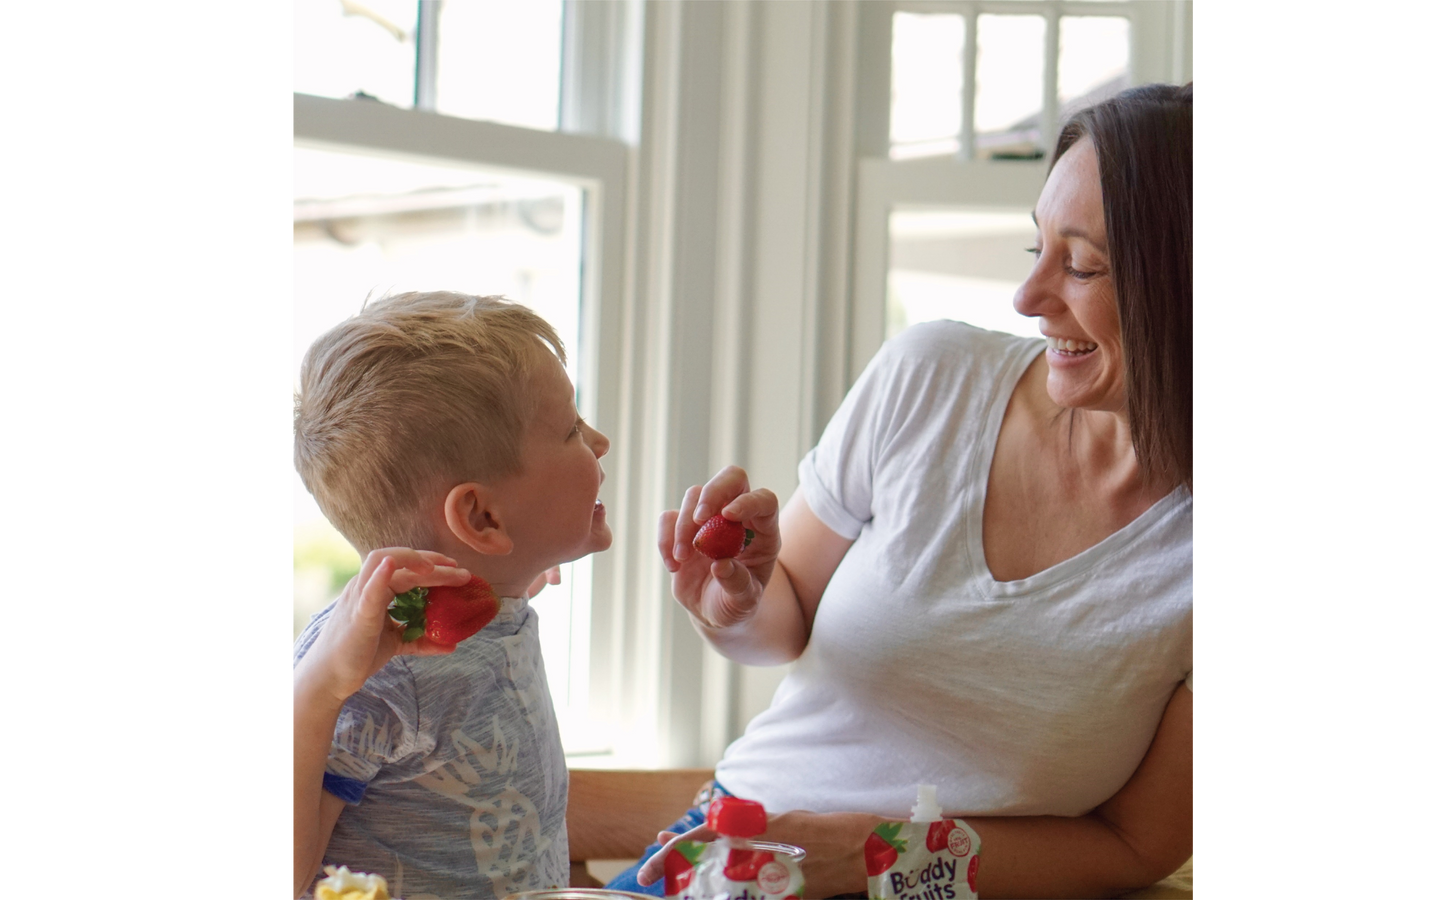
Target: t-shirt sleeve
377,727
836,477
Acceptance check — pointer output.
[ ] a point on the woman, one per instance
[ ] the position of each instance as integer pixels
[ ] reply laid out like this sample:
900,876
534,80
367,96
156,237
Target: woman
986,573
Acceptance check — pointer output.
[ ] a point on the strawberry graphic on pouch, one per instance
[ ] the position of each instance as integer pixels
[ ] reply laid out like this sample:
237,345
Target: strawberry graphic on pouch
446,615
743,865
722,538
679,866
883,846
940,837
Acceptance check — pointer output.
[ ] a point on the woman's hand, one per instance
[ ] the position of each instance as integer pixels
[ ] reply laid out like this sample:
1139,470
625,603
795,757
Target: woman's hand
360,637
833,841
724,592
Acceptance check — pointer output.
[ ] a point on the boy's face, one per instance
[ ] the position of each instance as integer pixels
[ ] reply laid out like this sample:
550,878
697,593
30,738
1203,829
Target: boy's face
557,516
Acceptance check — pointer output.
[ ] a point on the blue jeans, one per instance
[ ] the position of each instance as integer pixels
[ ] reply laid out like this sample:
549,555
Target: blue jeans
697,815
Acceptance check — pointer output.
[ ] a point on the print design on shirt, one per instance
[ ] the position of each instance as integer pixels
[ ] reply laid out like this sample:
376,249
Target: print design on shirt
506,829
371,744
526,686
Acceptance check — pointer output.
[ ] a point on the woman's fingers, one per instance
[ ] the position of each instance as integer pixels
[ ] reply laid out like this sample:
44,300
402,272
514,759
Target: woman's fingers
719,491
758,508
653,868
667,539
734,578
684,528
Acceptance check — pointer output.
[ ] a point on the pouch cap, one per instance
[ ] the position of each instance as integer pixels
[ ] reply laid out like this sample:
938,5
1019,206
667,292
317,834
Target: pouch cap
736,817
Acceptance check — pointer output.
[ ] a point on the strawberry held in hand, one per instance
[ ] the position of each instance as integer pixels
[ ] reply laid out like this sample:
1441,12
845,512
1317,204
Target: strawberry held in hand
722,538
446,615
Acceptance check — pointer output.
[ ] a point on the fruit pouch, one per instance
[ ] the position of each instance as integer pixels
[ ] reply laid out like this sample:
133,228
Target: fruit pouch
926,858
733,867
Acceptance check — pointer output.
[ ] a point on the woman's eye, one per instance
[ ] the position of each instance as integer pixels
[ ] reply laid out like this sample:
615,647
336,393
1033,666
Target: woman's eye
1032,250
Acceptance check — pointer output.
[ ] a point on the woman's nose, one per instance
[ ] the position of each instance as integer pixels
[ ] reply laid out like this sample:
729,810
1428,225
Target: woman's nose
1026,298
1036,294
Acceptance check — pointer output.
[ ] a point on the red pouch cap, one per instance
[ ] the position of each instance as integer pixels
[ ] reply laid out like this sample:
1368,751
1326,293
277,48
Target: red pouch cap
736,817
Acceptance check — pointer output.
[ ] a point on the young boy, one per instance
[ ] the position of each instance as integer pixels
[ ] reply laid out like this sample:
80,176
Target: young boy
446,422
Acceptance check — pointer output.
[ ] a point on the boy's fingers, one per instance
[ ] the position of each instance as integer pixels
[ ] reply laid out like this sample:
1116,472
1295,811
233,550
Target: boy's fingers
404,580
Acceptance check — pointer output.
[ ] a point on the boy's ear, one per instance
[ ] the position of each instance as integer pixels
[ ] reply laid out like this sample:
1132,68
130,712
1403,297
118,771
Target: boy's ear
474,519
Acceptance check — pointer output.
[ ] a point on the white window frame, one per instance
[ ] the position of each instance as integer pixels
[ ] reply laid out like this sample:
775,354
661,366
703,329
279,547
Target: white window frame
599,165
1160,40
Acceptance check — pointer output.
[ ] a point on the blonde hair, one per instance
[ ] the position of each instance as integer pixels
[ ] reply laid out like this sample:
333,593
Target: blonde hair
415,390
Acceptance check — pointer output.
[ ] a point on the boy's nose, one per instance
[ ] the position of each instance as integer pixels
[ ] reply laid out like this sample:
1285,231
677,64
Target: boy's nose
600,443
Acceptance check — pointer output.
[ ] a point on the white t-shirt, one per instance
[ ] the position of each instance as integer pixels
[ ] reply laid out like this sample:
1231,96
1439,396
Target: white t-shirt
1030,697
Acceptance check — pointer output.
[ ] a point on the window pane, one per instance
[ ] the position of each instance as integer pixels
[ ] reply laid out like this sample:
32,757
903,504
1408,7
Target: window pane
1093,60
926,109
501,60
958,264
341,48
366,225
1010,85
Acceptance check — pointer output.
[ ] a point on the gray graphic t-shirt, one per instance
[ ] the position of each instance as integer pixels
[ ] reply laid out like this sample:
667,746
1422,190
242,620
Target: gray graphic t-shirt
452,768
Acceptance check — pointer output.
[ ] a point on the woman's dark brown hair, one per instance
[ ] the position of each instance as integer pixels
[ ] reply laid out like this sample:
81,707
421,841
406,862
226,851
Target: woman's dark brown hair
1144,139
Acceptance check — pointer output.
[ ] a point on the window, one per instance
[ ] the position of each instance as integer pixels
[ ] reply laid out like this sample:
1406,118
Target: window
978,90
390,197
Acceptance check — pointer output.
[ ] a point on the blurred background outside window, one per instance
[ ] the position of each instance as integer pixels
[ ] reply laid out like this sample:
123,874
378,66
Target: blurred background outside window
368,225
966,262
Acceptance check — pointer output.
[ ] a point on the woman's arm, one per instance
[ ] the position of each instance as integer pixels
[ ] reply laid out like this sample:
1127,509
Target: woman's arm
740,606
1135,838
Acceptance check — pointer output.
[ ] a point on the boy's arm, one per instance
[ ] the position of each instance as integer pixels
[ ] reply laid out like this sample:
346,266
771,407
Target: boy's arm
316,809
357,639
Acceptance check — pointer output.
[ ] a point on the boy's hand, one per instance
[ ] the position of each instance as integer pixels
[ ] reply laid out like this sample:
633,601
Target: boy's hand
359,637
721,593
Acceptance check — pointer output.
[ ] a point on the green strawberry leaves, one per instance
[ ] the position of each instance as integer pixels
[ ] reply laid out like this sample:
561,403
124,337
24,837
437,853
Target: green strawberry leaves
889,831
410,610
691,850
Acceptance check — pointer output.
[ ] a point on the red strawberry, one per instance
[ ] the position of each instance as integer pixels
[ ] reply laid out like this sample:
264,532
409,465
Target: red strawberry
973,874
677,866
722,538
743,865
882,847
938,834
447,615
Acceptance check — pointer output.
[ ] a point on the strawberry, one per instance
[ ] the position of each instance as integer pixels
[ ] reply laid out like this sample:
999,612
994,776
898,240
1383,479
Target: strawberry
883,846
722,538
743,865
938,834
677,866
973,874
446,615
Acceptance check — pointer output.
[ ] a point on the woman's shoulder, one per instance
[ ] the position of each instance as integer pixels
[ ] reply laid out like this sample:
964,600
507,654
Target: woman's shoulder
947,344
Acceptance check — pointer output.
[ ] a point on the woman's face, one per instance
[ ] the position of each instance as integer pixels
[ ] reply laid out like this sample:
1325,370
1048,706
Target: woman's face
1071,289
